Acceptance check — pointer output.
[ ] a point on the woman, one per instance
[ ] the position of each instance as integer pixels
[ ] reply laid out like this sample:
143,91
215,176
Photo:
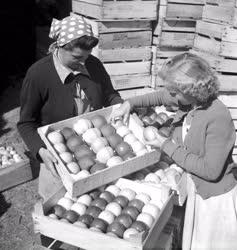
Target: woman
202,143
67,82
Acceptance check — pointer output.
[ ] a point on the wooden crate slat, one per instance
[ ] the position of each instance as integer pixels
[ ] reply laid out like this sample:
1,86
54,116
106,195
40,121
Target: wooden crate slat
198,2
210,29
233,112
235,151
228,83
129,93
234,158
231,3
229,100
227,66
228,50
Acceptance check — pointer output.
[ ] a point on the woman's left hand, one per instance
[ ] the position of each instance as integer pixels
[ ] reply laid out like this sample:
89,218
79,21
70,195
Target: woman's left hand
158,142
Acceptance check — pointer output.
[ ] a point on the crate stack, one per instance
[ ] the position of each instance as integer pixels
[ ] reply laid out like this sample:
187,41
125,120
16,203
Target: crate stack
216,41
124,29
174,31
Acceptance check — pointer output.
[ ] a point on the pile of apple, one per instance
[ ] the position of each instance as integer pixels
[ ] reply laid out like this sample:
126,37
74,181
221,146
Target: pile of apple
8,156
114,211
93,145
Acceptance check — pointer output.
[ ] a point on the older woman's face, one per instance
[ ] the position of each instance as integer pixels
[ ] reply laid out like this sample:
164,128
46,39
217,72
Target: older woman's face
73,59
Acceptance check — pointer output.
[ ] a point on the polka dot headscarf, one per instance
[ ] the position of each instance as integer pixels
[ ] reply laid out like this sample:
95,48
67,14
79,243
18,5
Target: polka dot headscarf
68,29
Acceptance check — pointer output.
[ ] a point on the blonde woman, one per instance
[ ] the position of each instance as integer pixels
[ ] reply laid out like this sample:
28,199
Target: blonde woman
202,143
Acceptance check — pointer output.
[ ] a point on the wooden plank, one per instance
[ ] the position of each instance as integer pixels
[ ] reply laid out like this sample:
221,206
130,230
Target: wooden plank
131,81
210,29
86,9
228,83
235,151
228,49
128,68
229,100
233,112
234,158
184,11
193,2
227,65
126,94
230,3
176,39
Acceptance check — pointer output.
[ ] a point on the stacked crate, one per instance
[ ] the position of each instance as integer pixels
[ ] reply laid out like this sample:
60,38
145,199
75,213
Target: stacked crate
174,31
124,29
216,41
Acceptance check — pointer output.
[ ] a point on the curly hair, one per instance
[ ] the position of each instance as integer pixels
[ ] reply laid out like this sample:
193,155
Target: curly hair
191,75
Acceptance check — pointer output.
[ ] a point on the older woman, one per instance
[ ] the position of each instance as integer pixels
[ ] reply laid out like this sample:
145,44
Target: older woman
202,143
67,82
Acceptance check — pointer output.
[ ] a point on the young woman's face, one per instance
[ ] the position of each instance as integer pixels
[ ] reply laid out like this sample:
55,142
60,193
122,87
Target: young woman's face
74,58
181,97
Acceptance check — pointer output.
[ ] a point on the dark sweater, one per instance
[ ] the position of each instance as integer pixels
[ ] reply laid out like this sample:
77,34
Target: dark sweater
45,99
206,152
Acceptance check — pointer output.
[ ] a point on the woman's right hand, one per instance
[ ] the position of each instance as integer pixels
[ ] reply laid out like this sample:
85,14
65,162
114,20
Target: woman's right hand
122,112
49,160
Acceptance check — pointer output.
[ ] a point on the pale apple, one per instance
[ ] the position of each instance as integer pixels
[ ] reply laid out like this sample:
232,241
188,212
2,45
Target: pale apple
104,154
151,209
114,208
98,144
81,174
129,232
60,147
128,193
177,168
55,137
142,152
80,224
149,133
82,125
160,173
65,202
113,189
137,146
146,218
85,199
130,138
107,216
114,160
153,178
66,157
117,124
143,197
123,131
90,135
73,167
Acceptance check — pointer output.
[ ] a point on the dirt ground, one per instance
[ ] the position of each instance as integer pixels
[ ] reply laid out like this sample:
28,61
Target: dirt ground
16,204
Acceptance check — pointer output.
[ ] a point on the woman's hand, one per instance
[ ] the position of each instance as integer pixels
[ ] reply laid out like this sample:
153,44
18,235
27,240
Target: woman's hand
158,142
49,160
123,111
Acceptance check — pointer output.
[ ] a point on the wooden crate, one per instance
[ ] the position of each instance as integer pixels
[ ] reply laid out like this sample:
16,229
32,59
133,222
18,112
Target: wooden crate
220,14
102,10
16,173
88,239
129,93
76,187
230,3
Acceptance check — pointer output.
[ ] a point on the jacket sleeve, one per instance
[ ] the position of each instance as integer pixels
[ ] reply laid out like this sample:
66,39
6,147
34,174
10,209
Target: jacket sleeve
220,138
157,98
31,104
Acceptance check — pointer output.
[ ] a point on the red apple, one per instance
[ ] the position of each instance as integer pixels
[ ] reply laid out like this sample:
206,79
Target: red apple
114,140
128,156
153,116
100,203
98,166
83,150
94,194
67,132
121,200
132,211
123,148
164,116
125,220
107,130
86,219
71,216
99,224
116,228
58,210
93,211
107,196
138,204
86,162
140,226
149,133
98,121
73,142
165,131
147,120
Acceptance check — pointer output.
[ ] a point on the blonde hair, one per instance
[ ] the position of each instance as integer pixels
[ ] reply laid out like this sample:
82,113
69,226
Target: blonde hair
191,75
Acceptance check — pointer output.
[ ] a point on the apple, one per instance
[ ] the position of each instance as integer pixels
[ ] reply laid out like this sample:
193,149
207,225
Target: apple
147,120
149,133
128,156
65,202
100,203
99,224
123,148
160,173
116,228
114,208
81,174
93,211
138,204
137,146
67,132
82,150
159,121
123,131
151,209
113,189
143,197
99,143
90,135
125,220
109,197
129,193
132,211
138,176
164,116
94,194
104,154
165,131
60,147
114,160
130,138
80,224
98,121
86,162
55,137
142,152
79,208
64,220
129,232
140,226
82,125
177,168
153,116
86,219
73,167
98,166
71,216
122,200
66,157
117,124
157,202
107,130
114,140
173,177
58,210
146,218
112,234
85,199
53,216
107,216
73,142
153,178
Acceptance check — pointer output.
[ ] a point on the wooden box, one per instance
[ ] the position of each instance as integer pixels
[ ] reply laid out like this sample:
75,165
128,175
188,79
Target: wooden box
16,173
129,93
76,187
88,239
102,9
